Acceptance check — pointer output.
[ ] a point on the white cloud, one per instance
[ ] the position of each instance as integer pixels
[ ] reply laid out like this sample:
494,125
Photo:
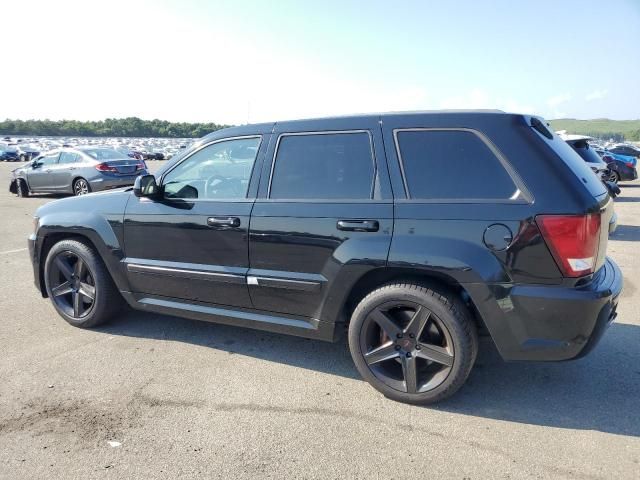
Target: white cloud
596,95
559,99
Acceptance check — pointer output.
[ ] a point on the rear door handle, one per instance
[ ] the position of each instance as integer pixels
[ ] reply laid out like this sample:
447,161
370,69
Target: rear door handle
233,222
358,225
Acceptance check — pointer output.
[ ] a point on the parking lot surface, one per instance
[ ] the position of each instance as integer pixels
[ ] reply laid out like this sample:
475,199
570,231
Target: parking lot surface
152,396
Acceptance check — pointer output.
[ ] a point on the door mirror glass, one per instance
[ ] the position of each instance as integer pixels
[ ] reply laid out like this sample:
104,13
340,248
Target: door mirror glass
35,164
145,186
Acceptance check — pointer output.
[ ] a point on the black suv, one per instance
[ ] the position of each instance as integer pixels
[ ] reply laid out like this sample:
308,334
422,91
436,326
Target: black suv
307,227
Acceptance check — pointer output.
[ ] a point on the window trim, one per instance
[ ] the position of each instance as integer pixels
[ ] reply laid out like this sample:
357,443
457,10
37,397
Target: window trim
523,194
208,144
324,200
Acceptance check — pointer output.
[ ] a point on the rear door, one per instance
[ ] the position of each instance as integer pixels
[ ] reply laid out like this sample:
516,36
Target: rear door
323,218
62,171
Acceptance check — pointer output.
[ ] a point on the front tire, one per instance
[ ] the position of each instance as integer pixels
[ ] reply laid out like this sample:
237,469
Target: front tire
22,189
413,343
81,187
79,284
614,176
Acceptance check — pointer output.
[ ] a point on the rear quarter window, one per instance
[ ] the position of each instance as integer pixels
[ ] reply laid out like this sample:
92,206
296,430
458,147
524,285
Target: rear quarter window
429,159
577,165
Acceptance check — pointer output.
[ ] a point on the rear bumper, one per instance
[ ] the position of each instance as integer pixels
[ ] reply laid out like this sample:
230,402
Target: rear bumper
549,323
113,181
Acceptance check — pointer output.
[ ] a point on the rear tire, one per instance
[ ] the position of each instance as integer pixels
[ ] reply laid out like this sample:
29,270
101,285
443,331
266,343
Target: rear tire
22,189
79,285
614,176
81,187
413,343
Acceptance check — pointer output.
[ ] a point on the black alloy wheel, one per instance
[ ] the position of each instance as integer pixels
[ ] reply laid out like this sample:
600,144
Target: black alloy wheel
79,284
72,285
407,347
413,343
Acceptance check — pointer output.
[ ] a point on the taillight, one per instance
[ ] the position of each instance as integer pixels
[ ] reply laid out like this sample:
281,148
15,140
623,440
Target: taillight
573,241
630,164
105,167
140,166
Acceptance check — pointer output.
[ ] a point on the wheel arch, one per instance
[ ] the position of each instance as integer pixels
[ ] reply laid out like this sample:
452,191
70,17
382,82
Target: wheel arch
109,254
435,280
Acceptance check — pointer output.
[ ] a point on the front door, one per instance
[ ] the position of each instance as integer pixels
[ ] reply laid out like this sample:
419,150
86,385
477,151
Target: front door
39,178
323,218
192,243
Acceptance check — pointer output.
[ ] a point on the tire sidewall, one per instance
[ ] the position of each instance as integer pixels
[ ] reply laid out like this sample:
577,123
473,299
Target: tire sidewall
465,348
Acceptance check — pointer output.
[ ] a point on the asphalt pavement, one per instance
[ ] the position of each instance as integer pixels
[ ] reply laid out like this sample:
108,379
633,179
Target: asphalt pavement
152,396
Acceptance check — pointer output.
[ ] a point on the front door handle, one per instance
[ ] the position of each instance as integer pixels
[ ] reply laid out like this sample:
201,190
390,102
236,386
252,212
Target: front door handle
233,222
359,225
47,171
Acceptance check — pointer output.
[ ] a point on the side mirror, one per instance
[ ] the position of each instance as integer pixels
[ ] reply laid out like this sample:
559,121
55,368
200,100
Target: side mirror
145,186
35,164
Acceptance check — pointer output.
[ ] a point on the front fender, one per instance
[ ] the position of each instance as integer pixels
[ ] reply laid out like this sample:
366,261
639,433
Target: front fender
87,217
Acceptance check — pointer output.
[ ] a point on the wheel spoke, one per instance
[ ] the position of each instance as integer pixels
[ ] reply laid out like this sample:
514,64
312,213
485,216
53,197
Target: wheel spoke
77,304
61,289
380,354
382,319
418,321
64,267
88,291
435,353
410,373
79,269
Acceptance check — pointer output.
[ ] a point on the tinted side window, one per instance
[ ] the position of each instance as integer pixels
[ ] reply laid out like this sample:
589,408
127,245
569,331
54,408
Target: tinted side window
323,166
68,157
219,171
49,159
452,164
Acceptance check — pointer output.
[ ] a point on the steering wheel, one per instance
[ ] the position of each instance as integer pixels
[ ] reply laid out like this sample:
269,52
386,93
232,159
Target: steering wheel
217,186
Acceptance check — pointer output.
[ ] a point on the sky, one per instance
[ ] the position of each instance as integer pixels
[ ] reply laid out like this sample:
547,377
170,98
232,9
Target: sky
240,61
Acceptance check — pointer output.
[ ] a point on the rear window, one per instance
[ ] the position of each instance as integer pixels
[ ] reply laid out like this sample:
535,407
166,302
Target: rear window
579,167
429,156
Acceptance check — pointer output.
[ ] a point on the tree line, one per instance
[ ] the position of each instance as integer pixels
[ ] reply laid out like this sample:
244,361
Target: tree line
111,127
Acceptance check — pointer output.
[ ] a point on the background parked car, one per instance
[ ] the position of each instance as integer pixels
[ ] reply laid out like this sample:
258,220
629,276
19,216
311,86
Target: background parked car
76,170
625,149
621,167
580,143
9,153
26,152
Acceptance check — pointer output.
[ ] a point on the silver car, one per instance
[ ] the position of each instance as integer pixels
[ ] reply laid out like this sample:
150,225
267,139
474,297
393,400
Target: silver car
76,170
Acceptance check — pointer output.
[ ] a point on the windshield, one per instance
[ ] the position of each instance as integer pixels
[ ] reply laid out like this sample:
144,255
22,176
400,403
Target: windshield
104,153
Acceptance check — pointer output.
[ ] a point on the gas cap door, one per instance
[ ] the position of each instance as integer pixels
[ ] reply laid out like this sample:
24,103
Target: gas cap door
497,237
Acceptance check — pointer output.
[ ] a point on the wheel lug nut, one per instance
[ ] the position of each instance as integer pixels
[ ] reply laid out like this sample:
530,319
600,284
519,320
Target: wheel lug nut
418,347
408,354
399,335
397,347
411,335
